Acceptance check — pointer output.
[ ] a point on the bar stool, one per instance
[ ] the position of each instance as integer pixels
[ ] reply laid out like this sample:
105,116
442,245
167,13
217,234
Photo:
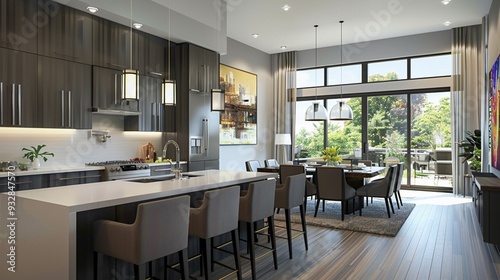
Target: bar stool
258,204
150,237
290,196
218,214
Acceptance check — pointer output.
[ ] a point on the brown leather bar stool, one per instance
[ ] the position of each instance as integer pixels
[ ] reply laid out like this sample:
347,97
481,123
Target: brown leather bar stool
258,204
218,214
150,237
289,196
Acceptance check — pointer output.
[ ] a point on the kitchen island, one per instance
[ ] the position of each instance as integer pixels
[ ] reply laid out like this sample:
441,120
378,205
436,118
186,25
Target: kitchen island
42,227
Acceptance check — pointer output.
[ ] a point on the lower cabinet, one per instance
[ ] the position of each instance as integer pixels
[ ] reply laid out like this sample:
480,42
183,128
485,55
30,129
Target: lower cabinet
74,178
487,207
32,182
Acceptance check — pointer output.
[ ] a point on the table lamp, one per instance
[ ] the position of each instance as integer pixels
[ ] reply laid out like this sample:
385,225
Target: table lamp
283,140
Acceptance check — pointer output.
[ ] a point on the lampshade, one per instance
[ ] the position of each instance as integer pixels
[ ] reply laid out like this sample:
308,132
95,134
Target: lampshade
341,112
283,139
218,100
316,112
168,93
130,87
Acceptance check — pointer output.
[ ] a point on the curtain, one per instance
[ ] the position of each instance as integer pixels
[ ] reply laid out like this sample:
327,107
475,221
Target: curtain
284,97
466,92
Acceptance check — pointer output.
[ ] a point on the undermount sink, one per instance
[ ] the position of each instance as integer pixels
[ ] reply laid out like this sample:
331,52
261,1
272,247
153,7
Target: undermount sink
161,178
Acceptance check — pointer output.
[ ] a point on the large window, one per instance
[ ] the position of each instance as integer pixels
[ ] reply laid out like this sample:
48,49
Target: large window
311,78
309,134
387,70
351,74
431,66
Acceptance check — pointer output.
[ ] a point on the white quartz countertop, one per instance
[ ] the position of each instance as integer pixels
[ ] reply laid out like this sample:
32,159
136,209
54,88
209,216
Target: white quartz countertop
50,170
84,197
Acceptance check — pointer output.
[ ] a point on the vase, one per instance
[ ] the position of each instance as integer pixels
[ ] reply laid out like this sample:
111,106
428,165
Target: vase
36,163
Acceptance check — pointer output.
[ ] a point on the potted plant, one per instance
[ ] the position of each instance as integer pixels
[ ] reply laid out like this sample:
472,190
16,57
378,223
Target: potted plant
34,155
331,155
472,149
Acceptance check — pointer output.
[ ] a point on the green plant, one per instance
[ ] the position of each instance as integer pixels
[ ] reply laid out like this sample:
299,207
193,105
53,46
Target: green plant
471,149
331,154
33,153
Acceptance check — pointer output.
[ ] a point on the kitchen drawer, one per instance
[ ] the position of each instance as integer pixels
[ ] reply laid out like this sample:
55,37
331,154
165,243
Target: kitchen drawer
74,178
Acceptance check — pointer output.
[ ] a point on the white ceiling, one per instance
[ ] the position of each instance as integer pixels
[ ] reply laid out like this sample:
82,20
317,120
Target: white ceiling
365,20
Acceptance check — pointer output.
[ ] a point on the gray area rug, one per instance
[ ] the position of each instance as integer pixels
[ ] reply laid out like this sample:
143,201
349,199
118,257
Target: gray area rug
374,219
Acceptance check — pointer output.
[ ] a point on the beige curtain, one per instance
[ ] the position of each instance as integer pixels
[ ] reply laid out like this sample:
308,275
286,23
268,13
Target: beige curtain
466,92
284,93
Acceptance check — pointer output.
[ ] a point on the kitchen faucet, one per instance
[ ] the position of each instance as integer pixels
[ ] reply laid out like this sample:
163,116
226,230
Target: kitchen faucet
177,152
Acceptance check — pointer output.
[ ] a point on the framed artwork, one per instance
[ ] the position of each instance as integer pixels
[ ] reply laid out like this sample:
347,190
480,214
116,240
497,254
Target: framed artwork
495,116
238,122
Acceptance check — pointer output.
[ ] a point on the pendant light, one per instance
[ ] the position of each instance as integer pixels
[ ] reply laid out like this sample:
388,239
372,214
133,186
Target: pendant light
169,89
316,112
341,111
217,96
130,77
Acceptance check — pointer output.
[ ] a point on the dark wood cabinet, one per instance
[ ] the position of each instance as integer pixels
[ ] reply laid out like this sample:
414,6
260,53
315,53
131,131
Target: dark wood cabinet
74,178
18,89
65,94
111,44
487,206
150,106
66,35
107,90
19,21
156,58
23,183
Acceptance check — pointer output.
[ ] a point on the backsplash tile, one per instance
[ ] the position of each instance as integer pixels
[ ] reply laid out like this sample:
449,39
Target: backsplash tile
77,147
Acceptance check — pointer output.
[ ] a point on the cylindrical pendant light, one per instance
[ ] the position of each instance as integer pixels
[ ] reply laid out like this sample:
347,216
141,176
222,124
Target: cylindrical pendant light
316,112
130,77
169,89
341,111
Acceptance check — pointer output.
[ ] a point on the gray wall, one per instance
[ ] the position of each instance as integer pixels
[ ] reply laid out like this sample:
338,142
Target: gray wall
251,60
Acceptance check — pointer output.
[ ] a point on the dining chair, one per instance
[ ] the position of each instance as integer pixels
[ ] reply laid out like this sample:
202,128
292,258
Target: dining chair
383,188
397,186
271,163
252,165
287,170
332,185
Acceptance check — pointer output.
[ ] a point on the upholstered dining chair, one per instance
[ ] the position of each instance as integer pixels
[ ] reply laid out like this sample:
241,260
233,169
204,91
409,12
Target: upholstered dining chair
332,185
150,237
289,196
271,163
252,165
287,170
383,188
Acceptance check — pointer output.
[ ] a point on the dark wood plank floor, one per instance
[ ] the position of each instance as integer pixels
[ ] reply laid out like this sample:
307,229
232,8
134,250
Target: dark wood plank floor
440,240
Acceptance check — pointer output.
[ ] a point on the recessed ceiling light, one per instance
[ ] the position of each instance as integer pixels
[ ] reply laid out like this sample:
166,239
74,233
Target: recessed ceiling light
92,9
447,23
445,2
286,7
283,47
255,35
137,25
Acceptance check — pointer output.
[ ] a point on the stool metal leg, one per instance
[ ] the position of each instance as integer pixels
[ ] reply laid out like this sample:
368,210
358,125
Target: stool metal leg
304,228
183,262
270,221
251,248
288,232
236,251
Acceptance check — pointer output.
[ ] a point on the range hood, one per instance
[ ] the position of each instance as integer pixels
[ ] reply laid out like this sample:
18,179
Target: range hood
115,112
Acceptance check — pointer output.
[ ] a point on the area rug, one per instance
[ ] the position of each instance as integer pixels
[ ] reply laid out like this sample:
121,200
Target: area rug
374,219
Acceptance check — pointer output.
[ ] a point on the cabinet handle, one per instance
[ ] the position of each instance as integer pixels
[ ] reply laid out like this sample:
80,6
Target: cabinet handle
205,133
156,73
70,110
62,108
160,117
1,103
19,104
80,177
207,79
13,104
116,86
194,90
163,169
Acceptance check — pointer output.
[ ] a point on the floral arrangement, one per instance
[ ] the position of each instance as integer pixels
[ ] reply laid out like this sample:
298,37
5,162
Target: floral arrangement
331,155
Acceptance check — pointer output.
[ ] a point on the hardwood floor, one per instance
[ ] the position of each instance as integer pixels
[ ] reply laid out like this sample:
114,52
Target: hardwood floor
441,239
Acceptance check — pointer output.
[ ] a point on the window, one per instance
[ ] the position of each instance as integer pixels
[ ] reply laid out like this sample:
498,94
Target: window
351,74
309,135
431,66
387,70
310,78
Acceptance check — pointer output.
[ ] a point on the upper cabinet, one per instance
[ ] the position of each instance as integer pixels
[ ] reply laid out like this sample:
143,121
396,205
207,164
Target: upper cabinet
19,21
156,57
203,69
18,89
64,93
67,34
111,44
152,110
